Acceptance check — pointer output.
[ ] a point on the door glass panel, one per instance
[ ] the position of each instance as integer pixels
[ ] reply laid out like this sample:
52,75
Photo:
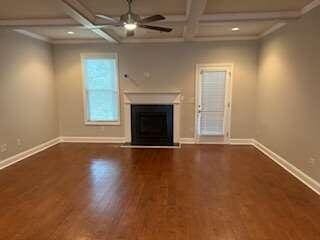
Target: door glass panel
212,107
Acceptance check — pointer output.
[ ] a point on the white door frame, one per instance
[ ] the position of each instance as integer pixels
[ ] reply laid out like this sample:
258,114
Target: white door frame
228,67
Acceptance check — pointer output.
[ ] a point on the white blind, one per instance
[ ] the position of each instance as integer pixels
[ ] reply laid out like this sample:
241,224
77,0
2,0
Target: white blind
213,88
101,88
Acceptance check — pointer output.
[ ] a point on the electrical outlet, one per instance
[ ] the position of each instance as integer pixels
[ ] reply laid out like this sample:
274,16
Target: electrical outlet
312,161
147,75
3,148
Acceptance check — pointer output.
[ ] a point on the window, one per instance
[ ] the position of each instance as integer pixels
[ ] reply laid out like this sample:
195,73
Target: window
101,89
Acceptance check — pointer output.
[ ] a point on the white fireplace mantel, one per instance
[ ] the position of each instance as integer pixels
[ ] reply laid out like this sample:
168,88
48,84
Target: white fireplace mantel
153,97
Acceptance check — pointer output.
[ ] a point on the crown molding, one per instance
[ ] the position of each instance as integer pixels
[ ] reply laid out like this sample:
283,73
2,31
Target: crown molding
159,40
39,22
224,38
152,40
310,6
274,28
77,41
32,35
303,11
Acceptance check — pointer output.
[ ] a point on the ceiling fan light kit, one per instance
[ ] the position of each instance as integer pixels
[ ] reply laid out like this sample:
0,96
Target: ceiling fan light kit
131,21
130,26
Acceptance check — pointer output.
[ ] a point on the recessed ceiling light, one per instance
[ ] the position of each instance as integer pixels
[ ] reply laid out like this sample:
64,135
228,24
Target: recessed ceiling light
70,32
235,29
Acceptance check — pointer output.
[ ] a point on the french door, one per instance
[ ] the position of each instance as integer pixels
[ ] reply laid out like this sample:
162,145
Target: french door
213,103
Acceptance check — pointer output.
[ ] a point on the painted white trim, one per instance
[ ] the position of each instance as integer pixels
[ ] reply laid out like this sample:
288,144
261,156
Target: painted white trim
152,92
78,41
151,147
226,142
93,139
32,151
227,38
229,68
56,22
153,97
159,40
195,9
244,141
232,141
152,40
310,6
251,16
78,12
300,175
274,28
32,35
187,141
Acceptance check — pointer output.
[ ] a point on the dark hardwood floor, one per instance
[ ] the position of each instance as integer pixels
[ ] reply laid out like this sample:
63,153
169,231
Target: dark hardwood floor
98,191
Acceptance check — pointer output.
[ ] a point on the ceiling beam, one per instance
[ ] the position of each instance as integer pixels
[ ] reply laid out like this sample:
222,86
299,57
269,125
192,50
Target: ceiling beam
195,9
254,16
83,16
189,2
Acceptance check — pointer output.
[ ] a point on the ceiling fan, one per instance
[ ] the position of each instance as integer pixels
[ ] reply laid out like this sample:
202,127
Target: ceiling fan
130,21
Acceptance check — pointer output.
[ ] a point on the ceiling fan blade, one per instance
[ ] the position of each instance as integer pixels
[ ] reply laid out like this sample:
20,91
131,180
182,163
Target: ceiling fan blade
161,29
95,27
102,26
153,18
107,18
130,33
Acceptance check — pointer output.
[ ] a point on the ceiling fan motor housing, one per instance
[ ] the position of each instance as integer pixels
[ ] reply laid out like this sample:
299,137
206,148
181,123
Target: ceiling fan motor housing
130,18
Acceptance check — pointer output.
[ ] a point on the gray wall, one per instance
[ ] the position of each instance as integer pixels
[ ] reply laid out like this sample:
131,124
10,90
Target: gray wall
275,89
27,93
171,67
288,106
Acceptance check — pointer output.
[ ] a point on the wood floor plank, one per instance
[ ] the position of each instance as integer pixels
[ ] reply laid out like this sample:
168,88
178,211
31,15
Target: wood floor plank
202,192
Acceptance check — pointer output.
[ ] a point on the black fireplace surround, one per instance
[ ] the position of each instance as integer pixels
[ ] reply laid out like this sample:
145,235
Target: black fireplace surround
152,125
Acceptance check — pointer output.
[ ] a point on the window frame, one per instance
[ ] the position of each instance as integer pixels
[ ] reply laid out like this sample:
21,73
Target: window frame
85,56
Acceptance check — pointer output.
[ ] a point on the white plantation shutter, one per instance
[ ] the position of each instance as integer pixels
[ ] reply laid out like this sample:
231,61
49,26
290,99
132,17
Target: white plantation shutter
212,107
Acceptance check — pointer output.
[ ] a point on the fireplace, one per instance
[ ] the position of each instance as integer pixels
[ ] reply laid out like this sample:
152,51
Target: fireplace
151,99
152,125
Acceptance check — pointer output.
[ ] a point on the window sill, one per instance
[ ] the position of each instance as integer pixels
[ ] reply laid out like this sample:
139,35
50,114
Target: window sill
116,123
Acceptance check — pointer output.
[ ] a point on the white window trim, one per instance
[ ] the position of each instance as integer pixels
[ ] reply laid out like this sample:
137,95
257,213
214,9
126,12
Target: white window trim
84,89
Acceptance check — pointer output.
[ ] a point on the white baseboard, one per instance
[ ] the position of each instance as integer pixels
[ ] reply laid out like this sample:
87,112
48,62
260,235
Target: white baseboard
187,141
20,156
93,139
300,175
233,141
245,141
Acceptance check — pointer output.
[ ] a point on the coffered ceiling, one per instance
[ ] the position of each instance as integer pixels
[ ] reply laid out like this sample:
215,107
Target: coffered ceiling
192,20
223,6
